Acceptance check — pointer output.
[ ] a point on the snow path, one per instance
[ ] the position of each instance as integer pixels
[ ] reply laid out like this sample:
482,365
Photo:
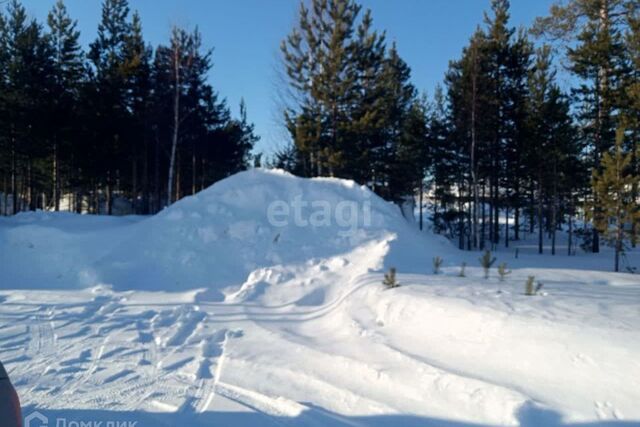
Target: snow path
355,355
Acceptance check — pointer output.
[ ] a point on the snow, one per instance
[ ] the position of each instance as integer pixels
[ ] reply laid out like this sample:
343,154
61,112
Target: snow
212,313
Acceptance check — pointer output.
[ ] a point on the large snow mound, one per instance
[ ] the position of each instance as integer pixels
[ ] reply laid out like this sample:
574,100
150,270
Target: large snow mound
218,238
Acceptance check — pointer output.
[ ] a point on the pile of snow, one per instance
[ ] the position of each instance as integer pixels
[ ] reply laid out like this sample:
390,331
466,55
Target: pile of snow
217,239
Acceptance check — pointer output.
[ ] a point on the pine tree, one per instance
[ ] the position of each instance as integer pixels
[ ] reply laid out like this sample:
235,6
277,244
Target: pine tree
401,158
108,98
137,75
318,60
68,73
499,42
596,58
613,191
519,67
26,98
552,152
5,143
468,90
631,110
440,155
353,110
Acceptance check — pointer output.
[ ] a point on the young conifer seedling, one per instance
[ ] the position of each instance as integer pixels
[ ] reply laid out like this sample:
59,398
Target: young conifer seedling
503,271
486,261
437,263
528,287
390,279
462,268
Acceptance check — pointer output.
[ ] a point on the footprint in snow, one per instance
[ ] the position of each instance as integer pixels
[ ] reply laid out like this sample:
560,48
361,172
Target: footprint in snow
606,411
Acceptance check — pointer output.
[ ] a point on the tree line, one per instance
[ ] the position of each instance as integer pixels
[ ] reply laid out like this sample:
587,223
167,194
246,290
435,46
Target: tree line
119,122
500,149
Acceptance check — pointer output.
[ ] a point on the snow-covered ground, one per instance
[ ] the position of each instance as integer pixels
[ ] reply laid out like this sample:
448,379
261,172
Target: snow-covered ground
227,310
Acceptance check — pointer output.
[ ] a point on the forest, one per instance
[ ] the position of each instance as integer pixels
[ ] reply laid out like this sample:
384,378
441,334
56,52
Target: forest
498,150
121,121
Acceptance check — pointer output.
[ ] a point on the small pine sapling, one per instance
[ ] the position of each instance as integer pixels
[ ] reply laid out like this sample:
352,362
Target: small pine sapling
462,268
528,287
502,271
486,261
390,279
437,263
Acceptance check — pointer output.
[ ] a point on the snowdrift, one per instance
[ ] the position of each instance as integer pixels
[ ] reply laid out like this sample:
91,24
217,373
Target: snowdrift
218,239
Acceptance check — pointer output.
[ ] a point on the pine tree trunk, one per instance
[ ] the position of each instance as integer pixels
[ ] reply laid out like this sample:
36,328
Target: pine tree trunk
145,177
516,212
29,187
460,220
570,242
193,171
109,194
474,172
491,198
483,231
421,200
178,176
540,219
634,187
156,176
506,226
56,176
14,182
203,167
5,194
134,184
602,85
554,209
618,246
176,118
470,235
496,221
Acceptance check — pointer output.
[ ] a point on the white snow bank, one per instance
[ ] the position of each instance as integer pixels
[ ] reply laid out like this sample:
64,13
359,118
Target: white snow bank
215,239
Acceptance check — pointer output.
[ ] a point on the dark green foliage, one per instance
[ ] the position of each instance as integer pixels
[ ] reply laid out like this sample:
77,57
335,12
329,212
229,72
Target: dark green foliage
355,113
591,34
617,205
390,279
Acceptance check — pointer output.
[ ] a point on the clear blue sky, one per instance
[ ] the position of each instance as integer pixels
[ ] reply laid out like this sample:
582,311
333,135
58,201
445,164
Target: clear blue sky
246,35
